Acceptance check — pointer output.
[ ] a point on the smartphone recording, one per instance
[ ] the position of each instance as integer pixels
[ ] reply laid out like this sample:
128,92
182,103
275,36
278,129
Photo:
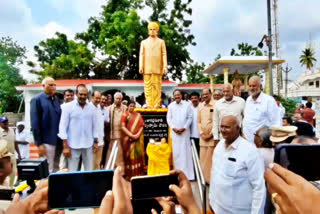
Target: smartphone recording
146,187
79,189
300,159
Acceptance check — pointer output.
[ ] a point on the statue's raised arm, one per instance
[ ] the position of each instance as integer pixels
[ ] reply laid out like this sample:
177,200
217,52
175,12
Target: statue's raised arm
153,65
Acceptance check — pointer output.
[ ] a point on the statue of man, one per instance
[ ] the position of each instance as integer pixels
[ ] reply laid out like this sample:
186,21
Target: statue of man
153,65
236,83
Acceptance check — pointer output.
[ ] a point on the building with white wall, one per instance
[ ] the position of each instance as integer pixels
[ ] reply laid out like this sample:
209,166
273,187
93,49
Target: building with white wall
129,87
308,84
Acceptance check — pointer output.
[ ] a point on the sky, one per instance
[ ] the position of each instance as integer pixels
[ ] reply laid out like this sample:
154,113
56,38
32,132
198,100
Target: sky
218,25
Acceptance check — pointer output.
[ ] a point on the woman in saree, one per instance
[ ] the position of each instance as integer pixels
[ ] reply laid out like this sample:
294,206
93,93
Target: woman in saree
132,125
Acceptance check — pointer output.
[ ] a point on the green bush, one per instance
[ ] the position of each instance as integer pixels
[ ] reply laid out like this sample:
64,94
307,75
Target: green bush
289,104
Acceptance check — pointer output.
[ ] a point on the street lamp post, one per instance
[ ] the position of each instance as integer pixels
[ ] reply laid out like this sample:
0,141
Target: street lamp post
270,47
287,70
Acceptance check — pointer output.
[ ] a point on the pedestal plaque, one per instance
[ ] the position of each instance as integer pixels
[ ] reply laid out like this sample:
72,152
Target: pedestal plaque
155,126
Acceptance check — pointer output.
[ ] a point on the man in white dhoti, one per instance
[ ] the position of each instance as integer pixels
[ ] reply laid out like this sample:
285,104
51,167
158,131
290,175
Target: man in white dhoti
179,118
22,139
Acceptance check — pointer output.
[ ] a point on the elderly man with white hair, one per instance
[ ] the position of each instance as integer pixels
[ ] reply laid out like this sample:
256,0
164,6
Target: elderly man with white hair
237,183
45,118
116,111
261,110
229,104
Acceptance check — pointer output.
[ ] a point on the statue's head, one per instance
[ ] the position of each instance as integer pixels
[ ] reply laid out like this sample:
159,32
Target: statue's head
236,75
153,29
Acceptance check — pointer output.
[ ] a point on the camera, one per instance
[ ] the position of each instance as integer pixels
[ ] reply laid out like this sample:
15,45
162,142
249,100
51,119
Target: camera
32,169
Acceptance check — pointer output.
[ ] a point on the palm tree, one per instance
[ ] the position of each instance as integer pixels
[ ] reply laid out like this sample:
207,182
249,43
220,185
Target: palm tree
307,58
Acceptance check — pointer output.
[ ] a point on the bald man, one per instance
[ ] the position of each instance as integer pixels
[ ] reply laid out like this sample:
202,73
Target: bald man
97,152
228,105
45,117
237,183
261,110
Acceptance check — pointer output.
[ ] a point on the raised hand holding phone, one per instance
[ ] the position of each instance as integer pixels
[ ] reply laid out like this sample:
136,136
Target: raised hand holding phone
292,192
184,194
116,201
79,189
147,187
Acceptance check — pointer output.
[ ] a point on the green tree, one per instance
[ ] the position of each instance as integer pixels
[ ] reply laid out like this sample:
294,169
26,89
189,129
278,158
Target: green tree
11,51
61,58
195,75
51,49
11,56
307,58
289,104
176,32
118,31
246,50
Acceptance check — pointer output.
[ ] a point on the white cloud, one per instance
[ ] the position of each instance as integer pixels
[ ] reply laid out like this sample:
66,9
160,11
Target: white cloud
48,30
82,9
16,21
220,25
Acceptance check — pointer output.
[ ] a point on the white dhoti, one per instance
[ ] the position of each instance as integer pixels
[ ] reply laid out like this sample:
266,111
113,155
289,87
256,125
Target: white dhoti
182,153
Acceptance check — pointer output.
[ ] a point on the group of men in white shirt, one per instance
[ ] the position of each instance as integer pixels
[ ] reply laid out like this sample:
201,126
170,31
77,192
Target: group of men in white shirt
82,129
237,182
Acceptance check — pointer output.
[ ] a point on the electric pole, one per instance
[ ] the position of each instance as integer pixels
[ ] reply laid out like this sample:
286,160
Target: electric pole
270,47
286,70
276,45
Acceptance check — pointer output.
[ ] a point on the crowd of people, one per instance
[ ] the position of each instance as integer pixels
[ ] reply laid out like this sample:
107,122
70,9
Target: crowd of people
235,139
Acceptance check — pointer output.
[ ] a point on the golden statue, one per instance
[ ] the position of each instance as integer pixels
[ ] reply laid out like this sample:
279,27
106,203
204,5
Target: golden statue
153,65
236,83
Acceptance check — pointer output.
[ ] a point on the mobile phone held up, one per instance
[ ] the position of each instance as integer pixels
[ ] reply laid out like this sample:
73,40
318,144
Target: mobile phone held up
78,189
300,159
145,187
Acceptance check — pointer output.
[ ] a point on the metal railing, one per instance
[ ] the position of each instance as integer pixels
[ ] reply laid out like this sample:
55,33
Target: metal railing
196,162
199,177
113,156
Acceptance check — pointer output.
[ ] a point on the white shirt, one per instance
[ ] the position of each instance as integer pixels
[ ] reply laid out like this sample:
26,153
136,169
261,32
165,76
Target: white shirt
138,105
238,186
262,112
78,125
23,136
194,123
179,115
282,112
223,108
106,113
268,156
100,123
